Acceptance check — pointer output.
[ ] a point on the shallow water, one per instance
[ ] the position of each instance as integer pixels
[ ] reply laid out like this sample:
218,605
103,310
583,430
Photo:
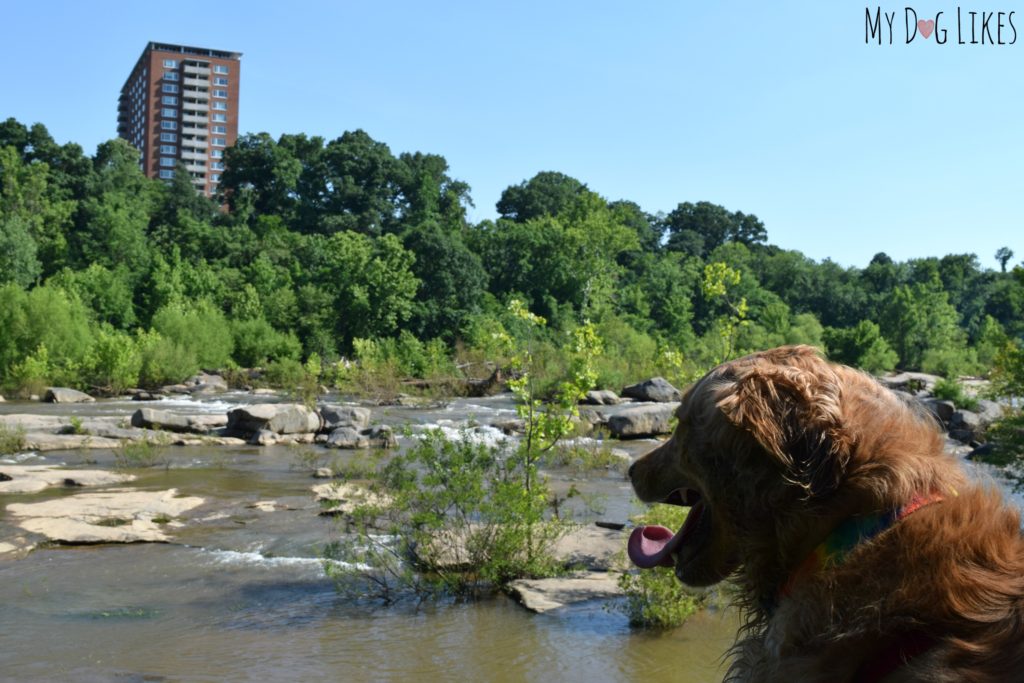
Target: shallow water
241,595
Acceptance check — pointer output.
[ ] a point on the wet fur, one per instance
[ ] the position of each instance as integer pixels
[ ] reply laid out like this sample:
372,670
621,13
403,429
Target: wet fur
784,446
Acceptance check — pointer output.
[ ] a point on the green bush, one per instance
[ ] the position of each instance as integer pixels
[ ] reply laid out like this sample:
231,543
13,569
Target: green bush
200,328
115,361
950,362
256,342
951,390
655,597
861,346
164,361
463,520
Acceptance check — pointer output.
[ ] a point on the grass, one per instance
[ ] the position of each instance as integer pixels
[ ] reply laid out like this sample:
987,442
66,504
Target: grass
139,454
11,440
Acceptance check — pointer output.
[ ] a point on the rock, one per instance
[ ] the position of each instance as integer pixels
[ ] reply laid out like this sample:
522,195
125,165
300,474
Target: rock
36,478
593,548
982,451
151,418
64,395
603,397
656,389
2,399
146,396
347,437
283,418
343,498
642,421
335,416
263,391
323,473
382,436
941,409
204,383
510,427
911,382
264,437
962,435
34,423
115,516
545,595
989,411
965,419
36,441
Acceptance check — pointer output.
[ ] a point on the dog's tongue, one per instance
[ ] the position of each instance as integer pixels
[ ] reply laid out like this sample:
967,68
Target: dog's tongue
652,546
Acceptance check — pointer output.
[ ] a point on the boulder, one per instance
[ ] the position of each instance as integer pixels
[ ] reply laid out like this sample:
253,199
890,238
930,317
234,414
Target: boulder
142,395
36,441
966,419
592,547
114,516
282,418
206,383
943,410
656,389
64,395
989,411
335,416
36,478
151,418
911,382
545,595
602,397
642,421
347,437
265,437
382,436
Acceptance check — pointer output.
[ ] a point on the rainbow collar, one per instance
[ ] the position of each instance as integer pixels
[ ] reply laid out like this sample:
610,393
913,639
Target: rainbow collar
850,533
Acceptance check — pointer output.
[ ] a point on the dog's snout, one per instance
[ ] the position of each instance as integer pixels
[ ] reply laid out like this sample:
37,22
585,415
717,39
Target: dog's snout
629,472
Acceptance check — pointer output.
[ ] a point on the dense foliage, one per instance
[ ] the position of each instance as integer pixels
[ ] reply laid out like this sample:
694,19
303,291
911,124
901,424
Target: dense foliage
109,279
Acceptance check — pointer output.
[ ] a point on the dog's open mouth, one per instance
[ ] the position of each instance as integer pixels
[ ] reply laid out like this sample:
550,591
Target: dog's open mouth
654,546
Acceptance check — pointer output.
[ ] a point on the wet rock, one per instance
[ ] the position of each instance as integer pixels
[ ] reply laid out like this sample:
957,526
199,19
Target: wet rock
656,389
510,427
115,516
347,437
342,498
603,397
545,595
282,418
962,435
323,473
142,395
382,436
264,437
65,395
983,451
36,478
642,421
335,416
965,419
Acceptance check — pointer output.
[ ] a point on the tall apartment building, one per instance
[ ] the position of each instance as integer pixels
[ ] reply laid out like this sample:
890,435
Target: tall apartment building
181,103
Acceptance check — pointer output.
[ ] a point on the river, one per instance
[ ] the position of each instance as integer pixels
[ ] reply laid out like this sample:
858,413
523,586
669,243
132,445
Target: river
240,595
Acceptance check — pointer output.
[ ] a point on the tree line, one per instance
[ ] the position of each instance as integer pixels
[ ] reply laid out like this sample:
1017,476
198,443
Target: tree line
325,250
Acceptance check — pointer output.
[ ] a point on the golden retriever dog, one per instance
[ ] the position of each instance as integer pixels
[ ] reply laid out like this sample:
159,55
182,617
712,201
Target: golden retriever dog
861,550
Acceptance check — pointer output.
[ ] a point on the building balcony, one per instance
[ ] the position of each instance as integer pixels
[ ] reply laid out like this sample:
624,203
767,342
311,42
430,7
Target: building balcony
193,156
188,117
197,106
194,143
193,130
193,70
197,95
196,82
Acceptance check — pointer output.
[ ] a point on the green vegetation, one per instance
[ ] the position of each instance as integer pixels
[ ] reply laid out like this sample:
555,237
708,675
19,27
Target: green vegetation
655,597
11,440
364,259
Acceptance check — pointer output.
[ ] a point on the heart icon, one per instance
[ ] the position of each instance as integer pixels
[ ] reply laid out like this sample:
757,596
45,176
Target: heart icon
926,27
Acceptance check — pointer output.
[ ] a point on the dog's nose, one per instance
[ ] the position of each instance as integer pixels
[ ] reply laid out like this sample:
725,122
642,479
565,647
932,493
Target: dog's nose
629,472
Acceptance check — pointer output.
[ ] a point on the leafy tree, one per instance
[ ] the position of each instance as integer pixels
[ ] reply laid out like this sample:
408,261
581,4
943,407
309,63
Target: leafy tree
18,262
699,228
861,346
1003,255
548,193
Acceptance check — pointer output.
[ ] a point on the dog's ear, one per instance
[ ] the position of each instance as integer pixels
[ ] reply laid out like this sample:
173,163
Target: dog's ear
794,414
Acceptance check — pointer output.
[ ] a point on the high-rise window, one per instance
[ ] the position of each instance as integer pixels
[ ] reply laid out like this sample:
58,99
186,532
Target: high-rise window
223,106
170,64
220,118
220,80
168,137
166,161
169,99
169,113
219,129
168,149
170,75
171,88
221,69
169,125
166,174
220,93
219,142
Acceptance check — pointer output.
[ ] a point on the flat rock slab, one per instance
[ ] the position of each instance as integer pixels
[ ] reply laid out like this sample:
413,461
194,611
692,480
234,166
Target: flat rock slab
35,478
115,516
65,395
639,421
34,441
593,548
342,498
545,595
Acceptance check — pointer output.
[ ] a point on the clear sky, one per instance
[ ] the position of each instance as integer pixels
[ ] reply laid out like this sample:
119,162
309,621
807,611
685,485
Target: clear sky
775,108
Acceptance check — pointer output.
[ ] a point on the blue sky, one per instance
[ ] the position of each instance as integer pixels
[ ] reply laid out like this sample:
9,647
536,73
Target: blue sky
774,108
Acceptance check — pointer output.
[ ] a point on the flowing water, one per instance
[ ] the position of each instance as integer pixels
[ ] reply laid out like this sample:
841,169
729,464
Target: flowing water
240,595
